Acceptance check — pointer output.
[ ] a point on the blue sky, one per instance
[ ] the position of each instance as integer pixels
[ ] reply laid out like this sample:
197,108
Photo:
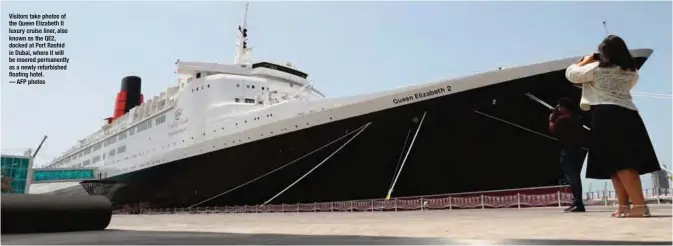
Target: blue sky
346,47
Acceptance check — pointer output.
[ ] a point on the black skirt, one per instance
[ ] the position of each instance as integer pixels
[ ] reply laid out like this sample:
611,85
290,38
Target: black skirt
618,141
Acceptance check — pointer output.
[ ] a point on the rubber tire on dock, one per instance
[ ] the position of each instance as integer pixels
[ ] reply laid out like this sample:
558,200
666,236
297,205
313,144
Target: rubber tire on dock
54,213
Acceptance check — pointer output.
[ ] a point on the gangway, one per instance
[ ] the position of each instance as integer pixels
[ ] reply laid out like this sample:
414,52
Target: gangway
54,175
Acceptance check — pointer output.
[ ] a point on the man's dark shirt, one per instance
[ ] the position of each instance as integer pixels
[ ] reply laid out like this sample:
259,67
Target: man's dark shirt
567,128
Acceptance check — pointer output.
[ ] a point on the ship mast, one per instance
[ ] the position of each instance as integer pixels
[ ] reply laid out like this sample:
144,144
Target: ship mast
242,49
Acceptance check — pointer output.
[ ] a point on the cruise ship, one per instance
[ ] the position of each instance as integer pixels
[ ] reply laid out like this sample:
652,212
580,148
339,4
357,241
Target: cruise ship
260,132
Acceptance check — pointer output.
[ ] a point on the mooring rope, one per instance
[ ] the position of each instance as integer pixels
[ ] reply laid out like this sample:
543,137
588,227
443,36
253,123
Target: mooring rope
279,168
413,140
399,160
362,129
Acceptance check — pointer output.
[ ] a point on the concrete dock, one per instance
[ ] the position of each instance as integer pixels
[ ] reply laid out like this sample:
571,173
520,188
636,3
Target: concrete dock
547,225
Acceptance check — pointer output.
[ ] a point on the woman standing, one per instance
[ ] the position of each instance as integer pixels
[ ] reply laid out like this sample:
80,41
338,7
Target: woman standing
620,148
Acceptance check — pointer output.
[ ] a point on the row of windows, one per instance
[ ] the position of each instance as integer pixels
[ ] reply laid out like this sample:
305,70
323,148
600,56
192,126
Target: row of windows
110,141
144,125
197,88
237,85
160,119
97,146
246,100
252,87
121,136
122,148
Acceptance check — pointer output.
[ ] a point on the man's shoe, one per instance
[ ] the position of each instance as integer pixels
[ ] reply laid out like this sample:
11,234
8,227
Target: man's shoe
568,209
576,209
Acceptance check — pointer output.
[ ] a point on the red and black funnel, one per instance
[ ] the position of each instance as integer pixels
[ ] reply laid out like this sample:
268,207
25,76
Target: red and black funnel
128,97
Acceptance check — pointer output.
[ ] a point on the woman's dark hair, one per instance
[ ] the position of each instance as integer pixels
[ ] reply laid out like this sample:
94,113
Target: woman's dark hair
613,52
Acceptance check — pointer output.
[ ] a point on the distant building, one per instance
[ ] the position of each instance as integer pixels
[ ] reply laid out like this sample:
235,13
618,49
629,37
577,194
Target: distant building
16,173
660,180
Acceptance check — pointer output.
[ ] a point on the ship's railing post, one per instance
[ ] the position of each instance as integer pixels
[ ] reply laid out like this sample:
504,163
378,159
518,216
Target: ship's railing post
422,203
558,195
518,200
315,207
482,201
372,204
331,207
450,203
395,204
282,208
298,205
245,208
350,206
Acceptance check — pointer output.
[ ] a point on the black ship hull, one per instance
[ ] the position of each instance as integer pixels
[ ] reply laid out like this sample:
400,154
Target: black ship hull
459,148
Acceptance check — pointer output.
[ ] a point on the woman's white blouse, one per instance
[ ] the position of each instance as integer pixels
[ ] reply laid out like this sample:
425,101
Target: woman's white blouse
600,85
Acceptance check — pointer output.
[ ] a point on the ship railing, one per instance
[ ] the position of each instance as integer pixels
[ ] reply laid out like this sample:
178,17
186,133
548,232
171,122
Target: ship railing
552,196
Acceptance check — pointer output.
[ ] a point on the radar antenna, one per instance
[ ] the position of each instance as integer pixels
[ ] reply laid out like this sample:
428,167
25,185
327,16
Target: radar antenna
605,26
242,49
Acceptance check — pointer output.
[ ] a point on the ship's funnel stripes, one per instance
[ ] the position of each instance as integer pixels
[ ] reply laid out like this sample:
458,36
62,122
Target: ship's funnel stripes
390,192
281,167
531,96
521,127
319,164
